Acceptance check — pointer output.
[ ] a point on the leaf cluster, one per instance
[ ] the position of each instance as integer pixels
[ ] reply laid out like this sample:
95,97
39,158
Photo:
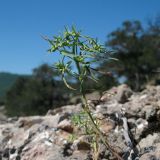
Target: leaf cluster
82,121
77,50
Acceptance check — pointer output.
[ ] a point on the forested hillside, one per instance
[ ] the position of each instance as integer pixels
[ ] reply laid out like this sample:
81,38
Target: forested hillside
6,81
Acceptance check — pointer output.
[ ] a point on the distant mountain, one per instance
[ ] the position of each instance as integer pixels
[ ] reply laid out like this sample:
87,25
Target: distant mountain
6,81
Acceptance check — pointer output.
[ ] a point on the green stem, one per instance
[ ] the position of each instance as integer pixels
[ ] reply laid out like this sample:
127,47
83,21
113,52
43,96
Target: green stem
87,110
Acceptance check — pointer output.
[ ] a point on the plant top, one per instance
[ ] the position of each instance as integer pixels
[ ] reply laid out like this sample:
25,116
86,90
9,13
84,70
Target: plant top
77,50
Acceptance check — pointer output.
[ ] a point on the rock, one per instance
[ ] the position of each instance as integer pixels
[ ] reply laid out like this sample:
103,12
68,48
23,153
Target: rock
80,155
69,109
158,115
90,96
151,153
47,137
131,123
93,96
107,95
116,140
65,125
12,119
82,143
123,93
62,138
40,151
150,140
22,138
139,129
150,111
109,108
158,104
51,121
150,156
27,122
106,125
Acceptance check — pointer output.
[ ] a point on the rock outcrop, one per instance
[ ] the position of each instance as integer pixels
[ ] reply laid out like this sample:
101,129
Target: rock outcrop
51,137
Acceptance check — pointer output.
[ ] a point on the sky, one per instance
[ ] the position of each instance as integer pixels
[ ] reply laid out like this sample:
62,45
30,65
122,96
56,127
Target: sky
23,22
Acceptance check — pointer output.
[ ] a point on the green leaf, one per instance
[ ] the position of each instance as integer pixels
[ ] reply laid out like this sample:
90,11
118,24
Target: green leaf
69,63
93,78
67,53
73,29
67,85
115,59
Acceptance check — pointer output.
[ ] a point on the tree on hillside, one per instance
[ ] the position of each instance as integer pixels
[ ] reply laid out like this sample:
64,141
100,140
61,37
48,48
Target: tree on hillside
35,95
137,50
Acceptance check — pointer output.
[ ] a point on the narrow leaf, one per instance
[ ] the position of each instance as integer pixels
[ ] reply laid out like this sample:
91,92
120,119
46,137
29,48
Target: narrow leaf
67,53
67,85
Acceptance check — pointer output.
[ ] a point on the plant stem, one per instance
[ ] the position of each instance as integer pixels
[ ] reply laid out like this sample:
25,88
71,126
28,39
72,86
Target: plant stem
87,110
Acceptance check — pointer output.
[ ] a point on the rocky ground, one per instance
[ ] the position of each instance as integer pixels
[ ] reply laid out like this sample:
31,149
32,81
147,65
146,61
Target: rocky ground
49,137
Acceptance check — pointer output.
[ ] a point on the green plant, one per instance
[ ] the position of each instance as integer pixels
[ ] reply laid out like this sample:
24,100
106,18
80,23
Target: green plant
79,56
72,137
83,122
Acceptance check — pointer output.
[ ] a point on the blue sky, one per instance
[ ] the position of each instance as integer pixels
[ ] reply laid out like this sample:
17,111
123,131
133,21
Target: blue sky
22,22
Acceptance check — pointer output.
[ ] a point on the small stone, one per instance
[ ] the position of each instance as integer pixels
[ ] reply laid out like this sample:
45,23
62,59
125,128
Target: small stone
13,150
149,140
81,144
66,126
123,93
150,111
158,115
106,125
6,153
